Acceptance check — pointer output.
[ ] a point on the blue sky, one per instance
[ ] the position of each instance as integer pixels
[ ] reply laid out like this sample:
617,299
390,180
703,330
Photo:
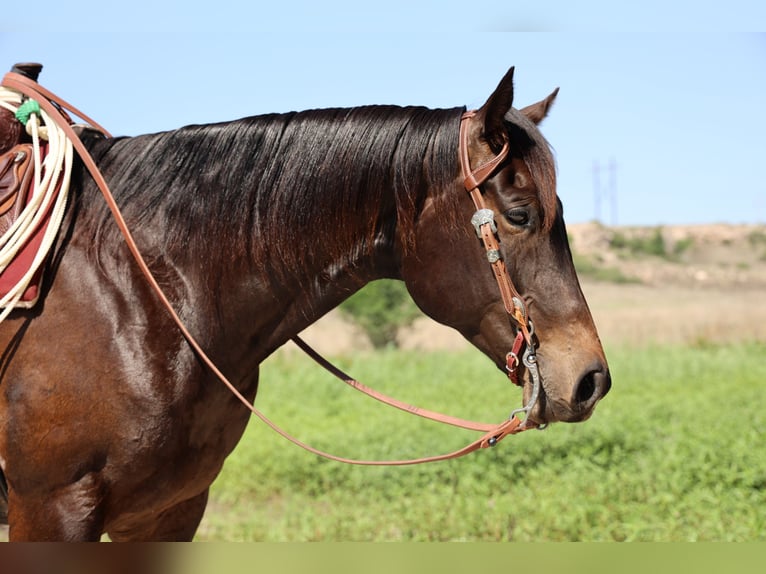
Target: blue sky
672,93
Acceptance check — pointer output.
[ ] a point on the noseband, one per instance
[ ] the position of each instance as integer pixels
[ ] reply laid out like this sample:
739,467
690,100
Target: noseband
486,229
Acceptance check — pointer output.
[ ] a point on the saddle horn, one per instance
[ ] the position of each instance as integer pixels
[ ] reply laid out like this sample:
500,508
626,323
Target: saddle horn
29,69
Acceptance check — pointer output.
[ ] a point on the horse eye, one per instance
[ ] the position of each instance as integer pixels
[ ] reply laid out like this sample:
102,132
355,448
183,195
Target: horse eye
518,216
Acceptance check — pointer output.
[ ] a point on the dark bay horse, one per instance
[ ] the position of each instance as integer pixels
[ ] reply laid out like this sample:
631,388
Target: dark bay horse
256,228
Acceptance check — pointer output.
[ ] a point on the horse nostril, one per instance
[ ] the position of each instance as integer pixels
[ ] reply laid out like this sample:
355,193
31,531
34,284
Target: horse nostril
586,388
593,386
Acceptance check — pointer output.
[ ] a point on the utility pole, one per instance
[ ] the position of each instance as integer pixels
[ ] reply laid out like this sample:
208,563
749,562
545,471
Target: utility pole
596,191
613,189
608,195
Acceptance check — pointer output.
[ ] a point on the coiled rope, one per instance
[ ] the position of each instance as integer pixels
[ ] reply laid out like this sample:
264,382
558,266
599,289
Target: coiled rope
50,192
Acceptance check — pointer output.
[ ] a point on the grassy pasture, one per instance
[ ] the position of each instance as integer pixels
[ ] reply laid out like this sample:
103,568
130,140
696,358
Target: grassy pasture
674,453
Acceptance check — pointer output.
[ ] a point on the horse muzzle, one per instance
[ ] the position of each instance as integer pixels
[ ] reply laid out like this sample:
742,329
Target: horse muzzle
573,403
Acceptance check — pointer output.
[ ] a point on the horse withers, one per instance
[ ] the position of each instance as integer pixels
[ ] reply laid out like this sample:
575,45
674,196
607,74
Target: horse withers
255,228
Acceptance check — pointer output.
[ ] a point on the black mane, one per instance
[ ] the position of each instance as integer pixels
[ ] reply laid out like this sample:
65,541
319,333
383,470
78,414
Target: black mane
285,190
283,184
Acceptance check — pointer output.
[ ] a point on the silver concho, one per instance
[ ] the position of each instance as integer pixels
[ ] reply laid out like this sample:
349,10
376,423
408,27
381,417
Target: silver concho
482,217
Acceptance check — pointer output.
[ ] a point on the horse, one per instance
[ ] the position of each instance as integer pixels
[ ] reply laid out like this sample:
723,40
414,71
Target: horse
256,228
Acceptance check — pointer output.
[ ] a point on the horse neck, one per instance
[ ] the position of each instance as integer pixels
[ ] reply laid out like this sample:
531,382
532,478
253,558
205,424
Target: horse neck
289,214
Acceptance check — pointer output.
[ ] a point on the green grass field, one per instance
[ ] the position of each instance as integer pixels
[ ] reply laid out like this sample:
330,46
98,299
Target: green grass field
674,453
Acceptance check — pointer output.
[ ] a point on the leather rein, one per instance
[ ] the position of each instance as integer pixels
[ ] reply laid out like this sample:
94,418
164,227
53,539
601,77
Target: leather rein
485,226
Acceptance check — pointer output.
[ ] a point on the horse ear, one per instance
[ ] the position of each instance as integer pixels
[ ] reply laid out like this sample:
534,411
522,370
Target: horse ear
495,109
536,112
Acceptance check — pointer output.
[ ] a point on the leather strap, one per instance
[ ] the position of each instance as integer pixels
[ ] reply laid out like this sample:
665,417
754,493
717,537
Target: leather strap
434,416
54,106
473,179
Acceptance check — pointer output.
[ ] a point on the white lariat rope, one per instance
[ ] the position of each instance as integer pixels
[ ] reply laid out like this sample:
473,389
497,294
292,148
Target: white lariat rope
54,171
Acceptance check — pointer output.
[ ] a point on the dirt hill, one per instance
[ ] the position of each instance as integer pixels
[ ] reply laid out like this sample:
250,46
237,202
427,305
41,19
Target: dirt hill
695,284
692,256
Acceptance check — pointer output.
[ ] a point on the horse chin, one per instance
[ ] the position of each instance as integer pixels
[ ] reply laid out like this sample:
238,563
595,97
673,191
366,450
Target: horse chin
548,410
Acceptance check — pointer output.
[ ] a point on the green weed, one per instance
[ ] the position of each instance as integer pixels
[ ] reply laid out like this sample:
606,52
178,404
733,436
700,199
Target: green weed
674,453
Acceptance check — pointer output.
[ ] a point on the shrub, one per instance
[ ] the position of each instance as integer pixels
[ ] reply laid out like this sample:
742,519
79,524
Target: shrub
757,237
682,246
589,268
654,244
381,308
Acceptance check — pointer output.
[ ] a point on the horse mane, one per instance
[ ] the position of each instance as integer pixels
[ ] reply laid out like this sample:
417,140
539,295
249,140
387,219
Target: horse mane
291,189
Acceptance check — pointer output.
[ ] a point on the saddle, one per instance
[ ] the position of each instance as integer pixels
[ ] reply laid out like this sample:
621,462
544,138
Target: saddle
16,171
16,189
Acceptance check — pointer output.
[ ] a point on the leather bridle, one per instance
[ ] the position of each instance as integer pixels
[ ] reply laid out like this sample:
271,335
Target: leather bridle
483,221
56,109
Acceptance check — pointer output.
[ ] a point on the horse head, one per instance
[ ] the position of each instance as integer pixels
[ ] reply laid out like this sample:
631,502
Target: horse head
448,276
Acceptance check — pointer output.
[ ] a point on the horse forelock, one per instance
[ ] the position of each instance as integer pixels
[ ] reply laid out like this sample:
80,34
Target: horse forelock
528,143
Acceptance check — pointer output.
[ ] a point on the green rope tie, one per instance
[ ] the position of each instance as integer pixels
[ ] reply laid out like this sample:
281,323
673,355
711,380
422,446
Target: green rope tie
26,109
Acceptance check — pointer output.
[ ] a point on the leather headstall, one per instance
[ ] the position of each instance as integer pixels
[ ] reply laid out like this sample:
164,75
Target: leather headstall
486,229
